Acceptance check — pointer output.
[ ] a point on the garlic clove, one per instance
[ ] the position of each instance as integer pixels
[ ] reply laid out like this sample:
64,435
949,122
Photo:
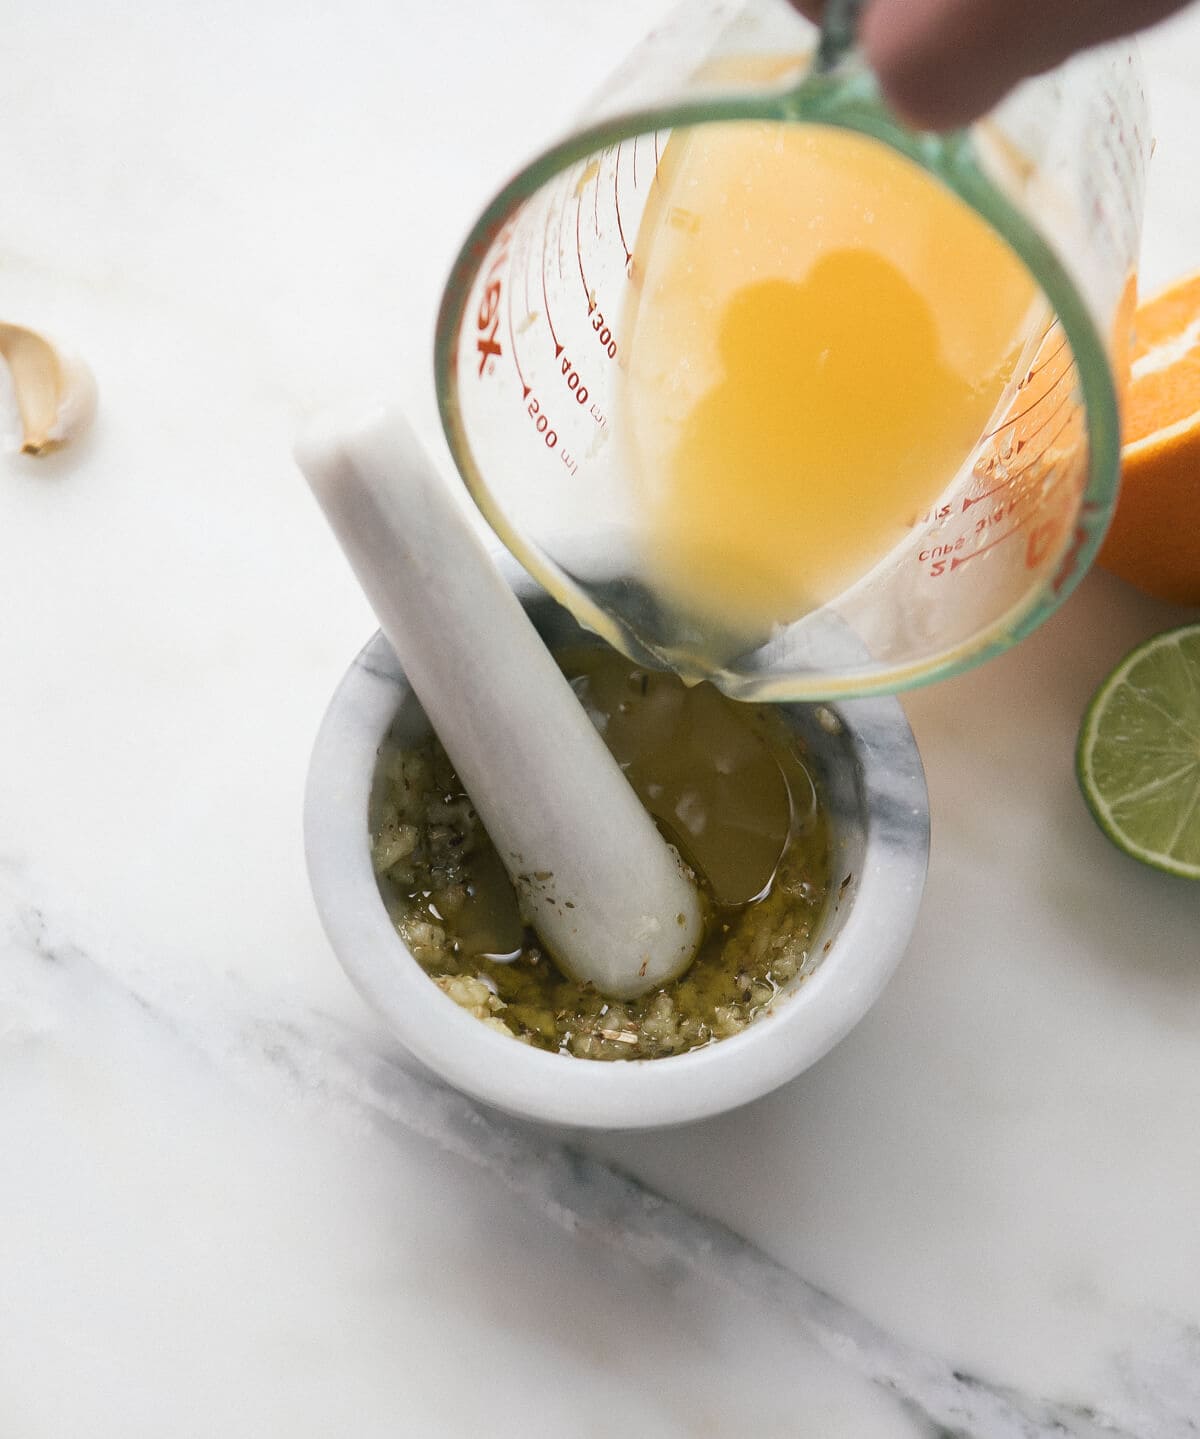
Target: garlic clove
53,393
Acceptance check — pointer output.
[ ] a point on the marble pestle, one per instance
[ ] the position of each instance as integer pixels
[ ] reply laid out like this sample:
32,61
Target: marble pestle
605,892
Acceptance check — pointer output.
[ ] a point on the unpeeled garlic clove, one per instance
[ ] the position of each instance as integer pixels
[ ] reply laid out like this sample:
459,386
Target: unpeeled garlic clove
53,392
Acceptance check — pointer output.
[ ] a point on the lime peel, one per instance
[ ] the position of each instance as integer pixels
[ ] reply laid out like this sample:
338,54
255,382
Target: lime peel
1138,755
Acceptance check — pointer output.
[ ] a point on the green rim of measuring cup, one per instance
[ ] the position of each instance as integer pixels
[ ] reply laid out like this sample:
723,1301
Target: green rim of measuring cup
843,96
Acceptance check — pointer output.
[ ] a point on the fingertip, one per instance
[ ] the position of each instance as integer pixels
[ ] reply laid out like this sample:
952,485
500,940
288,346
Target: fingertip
925,72
810,9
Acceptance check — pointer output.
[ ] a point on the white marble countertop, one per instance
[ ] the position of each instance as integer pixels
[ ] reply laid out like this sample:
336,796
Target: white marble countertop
225,1207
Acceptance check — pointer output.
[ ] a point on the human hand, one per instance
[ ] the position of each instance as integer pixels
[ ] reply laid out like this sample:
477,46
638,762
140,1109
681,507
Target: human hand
943,63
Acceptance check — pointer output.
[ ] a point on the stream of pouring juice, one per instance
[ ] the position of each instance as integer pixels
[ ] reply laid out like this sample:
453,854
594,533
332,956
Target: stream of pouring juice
819,337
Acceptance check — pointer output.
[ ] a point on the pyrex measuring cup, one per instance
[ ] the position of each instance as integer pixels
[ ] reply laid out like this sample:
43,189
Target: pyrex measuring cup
534,354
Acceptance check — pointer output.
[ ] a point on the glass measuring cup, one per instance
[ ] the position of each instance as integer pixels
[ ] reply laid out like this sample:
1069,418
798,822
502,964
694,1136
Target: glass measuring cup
533,357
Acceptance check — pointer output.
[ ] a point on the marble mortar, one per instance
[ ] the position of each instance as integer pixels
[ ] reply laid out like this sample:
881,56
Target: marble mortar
873,787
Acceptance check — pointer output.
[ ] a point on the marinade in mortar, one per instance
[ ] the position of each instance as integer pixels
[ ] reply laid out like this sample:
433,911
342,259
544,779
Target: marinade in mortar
728,784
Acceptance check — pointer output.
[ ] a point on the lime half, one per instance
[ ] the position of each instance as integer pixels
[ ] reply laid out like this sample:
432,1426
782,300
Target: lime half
1138,758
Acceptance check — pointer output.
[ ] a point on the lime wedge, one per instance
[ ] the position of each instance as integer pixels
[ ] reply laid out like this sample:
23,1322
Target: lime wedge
1138,758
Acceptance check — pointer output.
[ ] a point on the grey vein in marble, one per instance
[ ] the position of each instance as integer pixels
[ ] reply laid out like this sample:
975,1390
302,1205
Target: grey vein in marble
599,1205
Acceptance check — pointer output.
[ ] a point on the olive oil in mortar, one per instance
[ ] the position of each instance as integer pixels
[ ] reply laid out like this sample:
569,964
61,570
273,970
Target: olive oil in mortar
728,785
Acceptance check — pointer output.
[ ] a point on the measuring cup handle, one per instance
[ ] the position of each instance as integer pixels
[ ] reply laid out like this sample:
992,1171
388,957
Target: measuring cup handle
839,30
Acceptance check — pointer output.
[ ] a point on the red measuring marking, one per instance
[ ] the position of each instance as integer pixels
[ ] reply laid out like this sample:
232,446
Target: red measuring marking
596,200
1062,400
1061,431
1036,459
1039,369
1025,468
991,544
617,203
579,253
512,340
969,500
528,306
558,349
1053,355
1021,444
561,220
1020,525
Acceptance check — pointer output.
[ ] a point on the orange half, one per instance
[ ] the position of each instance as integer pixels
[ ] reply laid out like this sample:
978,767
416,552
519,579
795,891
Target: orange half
1154,541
